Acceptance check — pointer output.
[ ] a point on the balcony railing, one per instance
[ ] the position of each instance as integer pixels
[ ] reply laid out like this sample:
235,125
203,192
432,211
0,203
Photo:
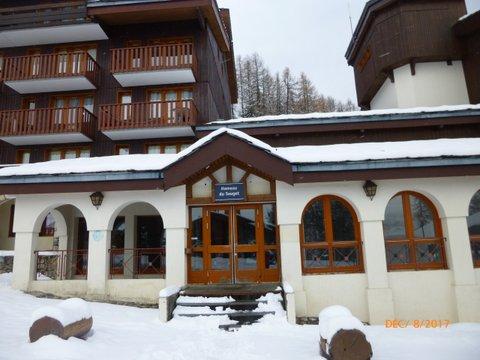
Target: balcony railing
136,262
46,66
21,17
153,58
46,121
147,115
61,264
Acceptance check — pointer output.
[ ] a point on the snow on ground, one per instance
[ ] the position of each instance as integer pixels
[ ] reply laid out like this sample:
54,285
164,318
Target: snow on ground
121,332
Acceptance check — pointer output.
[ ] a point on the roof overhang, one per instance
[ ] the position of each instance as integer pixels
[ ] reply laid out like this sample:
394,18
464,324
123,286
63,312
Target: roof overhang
149,11
236,148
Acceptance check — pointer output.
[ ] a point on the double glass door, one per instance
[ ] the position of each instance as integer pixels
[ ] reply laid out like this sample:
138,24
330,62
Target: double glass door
233,244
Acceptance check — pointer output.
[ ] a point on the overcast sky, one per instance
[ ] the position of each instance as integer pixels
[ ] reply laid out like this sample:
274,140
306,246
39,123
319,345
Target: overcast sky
306,35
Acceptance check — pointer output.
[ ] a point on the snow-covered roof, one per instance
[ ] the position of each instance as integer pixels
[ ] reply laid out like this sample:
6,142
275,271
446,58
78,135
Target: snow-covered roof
466,16
295,155
351,114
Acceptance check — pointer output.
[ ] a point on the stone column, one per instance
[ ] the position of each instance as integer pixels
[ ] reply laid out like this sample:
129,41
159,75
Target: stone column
379,294
466,290
24,265
98,262
176,260
292,264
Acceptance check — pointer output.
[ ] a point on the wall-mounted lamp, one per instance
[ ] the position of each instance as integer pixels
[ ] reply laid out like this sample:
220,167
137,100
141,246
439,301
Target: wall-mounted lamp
97,199
370,189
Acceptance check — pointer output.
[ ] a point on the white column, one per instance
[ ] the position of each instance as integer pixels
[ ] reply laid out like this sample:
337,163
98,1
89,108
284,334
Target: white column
98,262
466,290
176,263
379,294
24,260
292,264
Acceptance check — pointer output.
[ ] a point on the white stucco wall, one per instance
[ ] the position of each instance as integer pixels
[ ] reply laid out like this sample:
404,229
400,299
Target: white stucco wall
411,294
434,84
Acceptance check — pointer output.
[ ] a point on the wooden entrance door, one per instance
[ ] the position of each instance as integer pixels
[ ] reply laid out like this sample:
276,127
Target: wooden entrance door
233,244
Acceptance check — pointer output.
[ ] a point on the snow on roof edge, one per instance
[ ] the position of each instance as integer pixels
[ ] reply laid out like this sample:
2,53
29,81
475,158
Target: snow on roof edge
349,114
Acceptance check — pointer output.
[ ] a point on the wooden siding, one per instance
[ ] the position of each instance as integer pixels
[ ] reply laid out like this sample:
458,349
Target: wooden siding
404,32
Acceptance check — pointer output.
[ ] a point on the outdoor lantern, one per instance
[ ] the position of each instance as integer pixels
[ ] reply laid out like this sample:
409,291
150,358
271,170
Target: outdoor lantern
370,189
97,199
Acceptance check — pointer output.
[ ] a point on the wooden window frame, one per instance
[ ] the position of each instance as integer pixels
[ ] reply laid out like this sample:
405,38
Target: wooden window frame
119,146
66,97
410,239
10,222
63,150
19,155
165,89
474,238
329,243
163,145
121,92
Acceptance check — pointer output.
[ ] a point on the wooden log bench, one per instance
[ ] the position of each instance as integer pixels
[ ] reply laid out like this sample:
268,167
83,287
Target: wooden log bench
70,318
342,335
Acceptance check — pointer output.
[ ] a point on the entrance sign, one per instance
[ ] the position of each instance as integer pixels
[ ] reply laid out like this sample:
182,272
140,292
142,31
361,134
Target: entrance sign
229,192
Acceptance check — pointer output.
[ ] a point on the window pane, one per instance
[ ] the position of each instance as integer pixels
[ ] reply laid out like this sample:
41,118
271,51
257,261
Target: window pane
398,254
271,261
247,261
197,227
184,146
394,223
269,224
187,95
123,151
25,157
428,253
196,261
220,261
342,222
70,154
85,153
118,233
315,258
220,227
150,232
88,104
170,149
475,245
345,257
313,224
422,217
55,155
246,229
154,149
474,215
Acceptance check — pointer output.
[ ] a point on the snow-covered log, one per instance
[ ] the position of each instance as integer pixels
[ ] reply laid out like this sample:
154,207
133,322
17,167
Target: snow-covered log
71,317
342,335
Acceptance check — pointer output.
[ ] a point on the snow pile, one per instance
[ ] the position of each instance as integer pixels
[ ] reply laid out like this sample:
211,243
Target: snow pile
5,253
335,318
287,288
169,291
66,312
201,310
273,303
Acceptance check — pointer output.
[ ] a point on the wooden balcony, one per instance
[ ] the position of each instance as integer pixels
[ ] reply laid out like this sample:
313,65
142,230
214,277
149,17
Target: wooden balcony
51,72
47,126
148,120
154,65
53,23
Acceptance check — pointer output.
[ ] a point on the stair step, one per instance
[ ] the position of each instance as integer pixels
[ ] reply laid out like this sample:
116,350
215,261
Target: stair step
254,290
234,315
223,304
230,327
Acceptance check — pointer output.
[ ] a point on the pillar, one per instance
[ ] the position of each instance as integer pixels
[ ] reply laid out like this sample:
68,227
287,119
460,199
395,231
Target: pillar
176,263
24,266
292,264
379,294
98,262
129,261
466,290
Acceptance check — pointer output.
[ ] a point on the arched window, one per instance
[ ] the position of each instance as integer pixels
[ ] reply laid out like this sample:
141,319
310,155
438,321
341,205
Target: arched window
413,235
474,227
330,237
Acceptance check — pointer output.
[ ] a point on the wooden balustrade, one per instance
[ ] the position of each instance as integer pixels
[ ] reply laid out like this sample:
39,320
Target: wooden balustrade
147,115
61,264
45,66
46,121
153,58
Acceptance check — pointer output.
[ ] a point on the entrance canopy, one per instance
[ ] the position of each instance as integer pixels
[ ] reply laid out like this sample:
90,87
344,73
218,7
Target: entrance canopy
299,164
